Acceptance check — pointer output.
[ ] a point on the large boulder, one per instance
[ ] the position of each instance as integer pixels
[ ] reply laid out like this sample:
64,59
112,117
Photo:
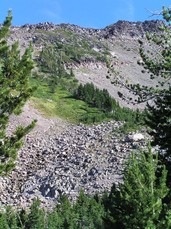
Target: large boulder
134,137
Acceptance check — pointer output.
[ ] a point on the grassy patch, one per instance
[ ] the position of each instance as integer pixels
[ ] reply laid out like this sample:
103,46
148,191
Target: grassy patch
61,104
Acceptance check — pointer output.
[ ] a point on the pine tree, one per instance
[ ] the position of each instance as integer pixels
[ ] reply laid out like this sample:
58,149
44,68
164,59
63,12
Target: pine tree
64,211
50,61
155,53
15,70
11,218
3,221
36,217
159,120
158,65
137,202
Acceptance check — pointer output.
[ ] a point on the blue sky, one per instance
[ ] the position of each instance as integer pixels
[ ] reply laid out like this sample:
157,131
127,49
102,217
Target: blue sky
86,13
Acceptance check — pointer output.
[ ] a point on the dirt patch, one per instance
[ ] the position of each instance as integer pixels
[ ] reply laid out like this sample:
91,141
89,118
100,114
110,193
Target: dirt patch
43,125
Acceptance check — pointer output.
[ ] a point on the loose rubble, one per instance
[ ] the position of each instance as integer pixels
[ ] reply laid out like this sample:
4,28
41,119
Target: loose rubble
83,157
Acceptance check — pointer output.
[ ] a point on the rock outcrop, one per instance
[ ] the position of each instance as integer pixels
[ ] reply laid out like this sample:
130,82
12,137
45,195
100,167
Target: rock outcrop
120,28
133,29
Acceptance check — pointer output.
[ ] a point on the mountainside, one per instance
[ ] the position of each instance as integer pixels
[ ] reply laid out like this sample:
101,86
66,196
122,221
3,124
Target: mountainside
60,157
89,49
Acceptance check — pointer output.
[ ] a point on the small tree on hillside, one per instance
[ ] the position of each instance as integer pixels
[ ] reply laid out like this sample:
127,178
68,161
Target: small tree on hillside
138,201
14,92
155,54
52,63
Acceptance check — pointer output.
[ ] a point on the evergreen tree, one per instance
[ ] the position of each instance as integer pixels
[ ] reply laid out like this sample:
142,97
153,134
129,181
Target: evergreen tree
137,202
94,97
50,61
12,220
65,212
159,120
36,217
157,63
3,221
108,105
54,220
72,73
98,98
22,216
155,54
15,70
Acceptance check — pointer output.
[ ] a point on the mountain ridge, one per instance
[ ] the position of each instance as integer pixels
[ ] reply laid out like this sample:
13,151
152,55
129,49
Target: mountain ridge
117,27
118,41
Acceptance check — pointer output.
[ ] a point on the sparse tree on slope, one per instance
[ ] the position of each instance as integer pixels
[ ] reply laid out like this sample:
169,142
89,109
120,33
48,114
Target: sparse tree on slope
14,92
51,62
158,64
138,201
155,55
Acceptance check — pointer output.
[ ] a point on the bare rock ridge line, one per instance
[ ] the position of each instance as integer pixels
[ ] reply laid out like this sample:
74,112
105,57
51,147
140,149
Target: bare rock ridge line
132,29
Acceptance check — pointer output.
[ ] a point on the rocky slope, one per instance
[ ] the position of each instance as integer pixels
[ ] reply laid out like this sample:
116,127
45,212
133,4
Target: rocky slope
58,157
118,41
62,158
